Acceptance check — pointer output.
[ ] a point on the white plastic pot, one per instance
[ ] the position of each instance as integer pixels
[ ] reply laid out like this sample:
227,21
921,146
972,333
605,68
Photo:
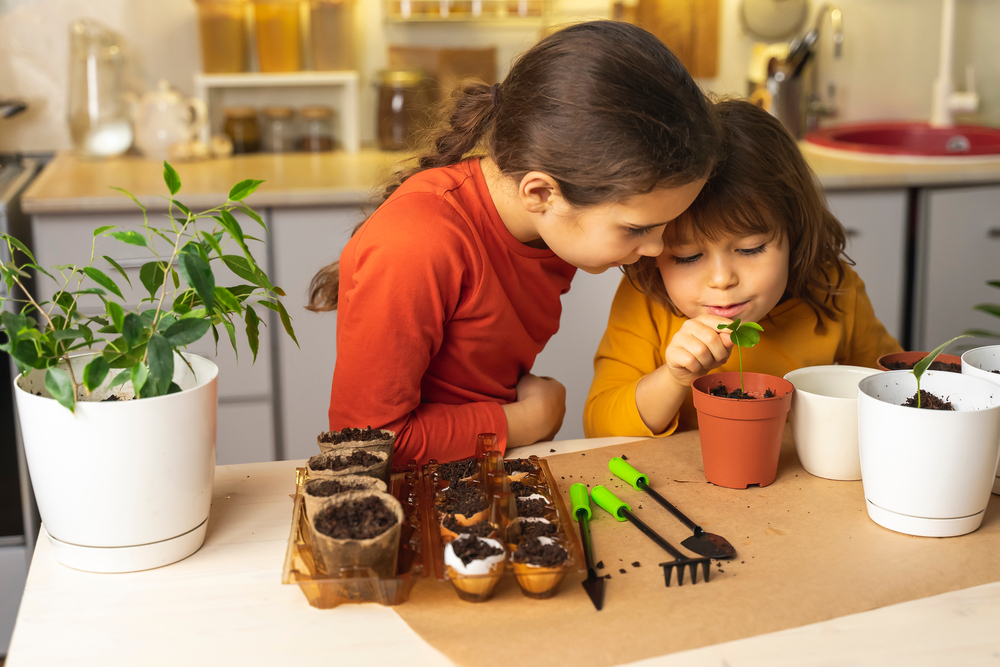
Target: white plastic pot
126,485
928,472
824,419
979,363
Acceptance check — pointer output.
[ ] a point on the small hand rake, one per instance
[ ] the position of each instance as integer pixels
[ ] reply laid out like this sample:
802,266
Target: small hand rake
621,511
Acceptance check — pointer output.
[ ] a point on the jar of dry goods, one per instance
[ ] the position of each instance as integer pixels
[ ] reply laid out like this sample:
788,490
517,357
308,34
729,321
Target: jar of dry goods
278,132
404,98
242,129
317,129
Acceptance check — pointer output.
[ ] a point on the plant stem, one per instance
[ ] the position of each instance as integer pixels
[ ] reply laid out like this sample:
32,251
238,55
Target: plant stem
69,366
163,287
739,353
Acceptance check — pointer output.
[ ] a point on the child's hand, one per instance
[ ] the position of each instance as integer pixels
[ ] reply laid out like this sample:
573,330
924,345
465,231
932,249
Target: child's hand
697,348
538,413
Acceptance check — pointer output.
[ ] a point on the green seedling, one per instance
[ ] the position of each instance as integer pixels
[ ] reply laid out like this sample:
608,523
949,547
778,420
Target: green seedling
746,334
924,364
990,309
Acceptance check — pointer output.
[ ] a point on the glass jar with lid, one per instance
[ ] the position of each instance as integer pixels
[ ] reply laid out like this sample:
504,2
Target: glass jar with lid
279,133
404,98
242,129
317,129
222,25
278,40
331,34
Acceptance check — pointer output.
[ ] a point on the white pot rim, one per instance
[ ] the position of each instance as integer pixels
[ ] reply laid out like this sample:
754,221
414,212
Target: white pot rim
815,370
982,349
977,385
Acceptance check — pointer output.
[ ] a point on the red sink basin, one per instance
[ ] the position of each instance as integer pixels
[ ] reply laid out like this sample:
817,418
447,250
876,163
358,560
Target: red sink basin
910,139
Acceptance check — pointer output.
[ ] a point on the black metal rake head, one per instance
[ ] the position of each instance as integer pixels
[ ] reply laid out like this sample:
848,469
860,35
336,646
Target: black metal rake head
692,563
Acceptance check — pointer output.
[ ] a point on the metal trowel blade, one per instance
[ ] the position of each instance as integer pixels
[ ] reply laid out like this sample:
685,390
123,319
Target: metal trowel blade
710,545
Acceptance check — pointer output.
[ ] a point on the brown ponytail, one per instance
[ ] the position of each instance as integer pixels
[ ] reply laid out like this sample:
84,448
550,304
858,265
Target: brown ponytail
602,107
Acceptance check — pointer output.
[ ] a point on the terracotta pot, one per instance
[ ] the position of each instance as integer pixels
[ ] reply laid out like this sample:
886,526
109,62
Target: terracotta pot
741,438
914,357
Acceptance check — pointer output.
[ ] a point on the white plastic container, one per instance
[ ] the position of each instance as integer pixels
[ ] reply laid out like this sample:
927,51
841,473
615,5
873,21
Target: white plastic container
824,419
928,472
125,485
980,363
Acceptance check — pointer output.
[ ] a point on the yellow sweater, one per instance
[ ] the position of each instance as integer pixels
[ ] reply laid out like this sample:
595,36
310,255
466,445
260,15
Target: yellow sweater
639,330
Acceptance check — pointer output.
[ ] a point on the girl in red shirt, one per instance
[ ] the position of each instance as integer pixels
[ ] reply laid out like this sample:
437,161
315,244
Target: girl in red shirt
595,140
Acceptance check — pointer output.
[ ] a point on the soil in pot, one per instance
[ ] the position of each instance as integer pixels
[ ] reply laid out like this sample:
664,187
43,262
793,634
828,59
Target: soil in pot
367,434
359,529
466,501
738,393
534,506
474,565
316,491
935,366
342,463
451,528
539,565
335,463
928,401
454,471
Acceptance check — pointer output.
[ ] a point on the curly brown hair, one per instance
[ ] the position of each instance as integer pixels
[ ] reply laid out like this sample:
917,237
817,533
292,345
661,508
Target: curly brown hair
762,185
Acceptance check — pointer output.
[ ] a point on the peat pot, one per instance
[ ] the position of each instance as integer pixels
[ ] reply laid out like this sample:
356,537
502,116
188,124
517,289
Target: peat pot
984,362
824,419
928,472
123,485
741,438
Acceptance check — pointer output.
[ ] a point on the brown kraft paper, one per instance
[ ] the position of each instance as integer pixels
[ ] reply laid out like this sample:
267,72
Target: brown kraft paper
806,552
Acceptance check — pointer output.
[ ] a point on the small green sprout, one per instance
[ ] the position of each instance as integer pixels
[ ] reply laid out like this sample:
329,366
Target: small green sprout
743,335
924,364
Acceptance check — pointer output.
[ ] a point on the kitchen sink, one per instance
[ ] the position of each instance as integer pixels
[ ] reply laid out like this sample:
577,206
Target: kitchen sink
908,140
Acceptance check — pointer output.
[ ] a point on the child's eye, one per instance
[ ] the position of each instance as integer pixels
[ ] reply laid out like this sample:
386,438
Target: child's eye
753,251
638,231
687,260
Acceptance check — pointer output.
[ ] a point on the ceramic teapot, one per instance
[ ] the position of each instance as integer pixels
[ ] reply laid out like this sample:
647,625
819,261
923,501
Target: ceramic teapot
164,118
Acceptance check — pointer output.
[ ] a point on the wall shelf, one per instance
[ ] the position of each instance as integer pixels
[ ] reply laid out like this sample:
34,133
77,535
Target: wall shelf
452,11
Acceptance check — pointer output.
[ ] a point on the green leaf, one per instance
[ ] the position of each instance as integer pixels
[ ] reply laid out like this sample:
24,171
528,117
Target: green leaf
231,225
241,267
130,196
252,214
213,242
286,321
66,334
117,315
198,313
101,230
138,374
121,378
119,268
13,323
243,189
152,275
170,177
103,280
20,246
226,302
181,206
981,333
95,372
130,237
215,335
174,388
41,270
25,354
745,337
132,328
253,330
231,330
197,273
58,384
923,364
993,283
186,331
988,308
753,325
160,357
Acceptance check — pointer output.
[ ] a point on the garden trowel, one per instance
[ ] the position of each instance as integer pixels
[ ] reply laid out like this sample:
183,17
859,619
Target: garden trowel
593,584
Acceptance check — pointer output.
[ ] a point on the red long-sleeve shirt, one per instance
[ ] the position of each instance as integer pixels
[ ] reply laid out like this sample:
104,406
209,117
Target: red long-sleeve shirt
441,312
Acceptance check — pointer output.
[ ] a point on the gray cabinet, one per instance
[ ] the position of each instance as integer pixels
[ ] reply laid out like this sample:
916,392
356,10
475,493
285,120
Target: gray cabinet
958,251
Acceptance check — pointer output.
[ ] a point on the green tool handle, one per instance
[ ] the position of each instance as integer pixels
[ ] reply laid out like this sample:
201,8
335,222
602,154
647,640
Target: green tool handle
580,498
609,502
624,469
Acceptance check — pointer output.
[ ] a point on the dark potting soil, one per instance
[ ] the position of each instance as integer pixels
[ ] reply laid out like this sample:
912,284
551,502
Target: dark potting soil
357,520
928,401
110,399
457,470
331,487
531,508
470,548
721,392
352,435
358,458
481,529
463,498
935,366
522,490
519,465
534,529
534,552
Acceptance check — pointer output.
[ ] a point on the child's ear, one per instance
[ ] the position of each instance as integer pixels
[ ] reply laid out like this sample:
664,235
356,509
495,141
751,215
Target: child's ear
538,192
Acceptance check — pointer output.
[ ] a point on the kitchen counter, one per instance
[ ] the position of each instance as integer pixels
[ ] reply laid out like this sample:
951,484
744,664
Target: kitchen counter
71,185
225,605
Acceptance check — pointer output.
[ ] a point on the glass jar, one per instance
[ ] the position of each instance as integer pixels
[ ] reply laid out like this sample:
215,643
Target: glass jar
242,129
278,41
331,29
317,129
278,133
222,25
404,97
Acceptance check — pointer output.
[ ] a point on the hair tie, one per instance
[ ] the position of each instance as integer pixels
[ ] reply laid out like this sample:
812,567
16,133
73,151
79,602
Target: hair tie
495,93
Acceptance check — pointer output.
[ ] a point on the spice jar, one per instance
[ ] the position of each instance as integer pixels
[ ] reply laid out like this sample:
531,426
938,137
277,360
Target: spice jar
241,127
403,99
278,134
278,40
331,28
317,129
222,26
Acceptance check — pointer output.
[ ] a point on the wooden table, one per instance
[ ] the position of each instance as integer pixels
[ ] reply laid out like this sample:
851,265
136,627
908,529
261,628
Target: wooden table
226,605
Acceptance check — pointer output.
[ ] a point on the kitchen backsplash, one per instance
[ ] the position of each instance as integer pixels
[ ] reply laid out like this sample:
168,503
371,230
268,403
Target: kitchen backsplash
889,60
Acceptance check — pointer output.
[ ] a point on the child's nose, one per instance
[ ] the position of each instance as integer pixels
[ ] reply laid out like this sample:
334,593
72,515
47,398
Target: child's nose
652,246
723,275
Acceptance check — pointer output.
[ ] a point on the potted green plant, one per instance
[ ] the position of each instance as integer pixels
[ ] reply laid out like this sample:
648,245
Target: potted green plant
118,421
741,426
928,471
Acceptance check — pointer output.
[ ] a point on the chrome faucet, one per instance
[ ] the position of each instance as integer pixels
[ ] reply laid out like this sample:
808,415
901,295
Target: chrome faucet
815,107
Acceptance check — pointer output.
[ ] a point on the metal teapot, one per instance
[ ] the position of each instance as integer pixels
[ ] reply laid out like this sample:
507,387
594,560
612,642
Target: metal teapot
163,117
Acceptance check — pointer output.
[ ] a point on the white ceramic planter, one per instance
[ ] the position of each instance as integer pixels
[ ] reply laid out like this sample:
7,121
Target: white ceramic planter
127,485
824,419
978,363
928,472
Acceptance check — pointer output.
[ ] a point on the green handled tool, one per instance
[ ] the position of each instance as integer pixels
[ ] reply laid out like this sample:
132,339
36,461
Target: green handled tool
623,512
593,584
702,543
